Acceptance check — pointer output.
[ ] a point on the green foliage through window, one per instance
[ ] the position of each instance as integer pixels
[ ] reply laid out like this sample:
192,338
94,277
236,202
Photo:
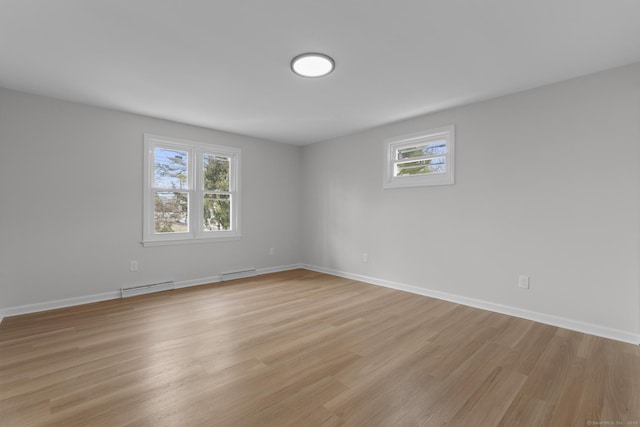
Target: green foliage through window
170,208
191,191
217,202
171,212
419,167
426,164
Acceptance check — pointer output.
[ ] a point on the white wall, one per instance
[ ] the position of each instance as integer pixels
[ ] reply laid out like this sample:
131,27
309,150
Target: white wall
547,185
71,202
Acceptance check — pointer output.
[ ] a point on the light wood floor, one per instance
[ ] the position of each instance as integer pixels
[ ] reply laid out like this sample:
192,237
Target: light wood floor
305,349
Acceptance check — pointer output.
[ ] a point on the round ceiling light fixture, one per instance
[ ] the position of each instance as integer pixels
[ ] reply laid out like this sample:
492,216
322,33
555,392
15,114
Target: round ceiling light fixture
312,65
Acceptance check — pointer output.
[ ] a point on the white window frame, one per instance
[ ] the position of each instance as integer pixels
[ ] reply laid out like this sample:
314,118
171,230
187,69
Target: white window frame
392,145
195,189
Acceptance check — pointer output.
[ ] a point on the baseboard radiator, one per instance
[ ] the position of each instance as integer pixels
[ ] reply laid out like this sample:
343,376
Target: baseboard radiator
147,289
240,274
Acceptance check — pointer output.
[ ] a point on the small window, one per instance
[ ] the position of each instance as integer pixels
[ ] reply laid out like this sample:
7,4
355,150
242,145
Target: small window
420,159
191,191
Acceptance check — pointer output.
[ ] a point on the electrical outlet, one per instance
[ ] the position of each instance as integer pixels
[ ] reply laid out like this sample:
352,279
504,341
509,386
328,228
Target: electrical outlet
272,251
365,257
523,282
133,266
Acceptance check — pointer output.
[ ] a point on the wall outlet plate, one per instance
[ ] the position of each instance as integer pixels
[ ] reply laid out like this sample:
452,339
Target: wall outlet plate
523,282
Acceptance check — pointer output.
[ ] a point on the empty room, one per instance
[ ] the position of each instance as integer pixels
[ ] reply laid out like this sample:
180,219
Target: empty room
337,213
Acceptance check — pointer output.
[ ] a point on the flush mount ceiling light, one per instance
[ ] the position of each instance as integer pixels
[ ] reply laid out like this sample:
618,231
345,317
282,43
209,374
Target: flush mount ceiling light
312,65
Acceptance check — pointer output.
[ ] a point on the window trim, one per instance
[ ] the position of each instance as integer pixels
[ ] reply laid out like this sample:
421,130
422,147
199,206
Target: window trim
195,189
392,145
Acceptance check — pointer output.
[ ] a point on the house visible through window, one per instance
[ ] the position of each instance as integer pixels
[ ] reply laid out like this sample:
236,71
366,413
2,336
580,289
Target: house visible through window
420,159
191,191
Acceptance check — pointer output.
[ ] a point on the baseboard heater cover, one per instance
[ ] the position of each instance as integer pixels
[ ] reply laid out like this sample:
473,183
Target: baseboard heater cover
147,289
240,274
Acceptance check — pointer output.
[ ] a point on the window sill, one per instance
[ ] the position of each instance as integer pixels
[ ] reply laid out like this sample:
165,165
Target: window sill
150,243
412,181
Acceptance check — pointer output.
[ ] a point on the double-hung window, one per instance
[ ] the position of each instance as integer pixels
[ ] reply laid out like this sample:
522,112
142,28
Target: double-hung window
420,159
191,191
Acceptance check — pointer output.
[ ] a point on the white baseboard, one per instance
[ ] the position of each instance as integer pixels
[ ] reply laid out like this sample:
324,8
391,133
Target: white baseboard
60,303
562,322
548,319
69,302
197,282
216,279
268,270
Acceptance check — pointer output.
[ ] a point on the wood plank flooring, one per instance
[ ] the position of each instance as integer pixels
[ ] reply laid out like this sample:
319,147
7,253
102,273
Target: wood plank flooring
301,348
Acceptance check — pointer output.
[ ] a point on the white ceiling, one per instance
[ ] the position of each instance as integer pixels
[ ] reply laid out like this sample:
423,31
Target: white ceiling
225,64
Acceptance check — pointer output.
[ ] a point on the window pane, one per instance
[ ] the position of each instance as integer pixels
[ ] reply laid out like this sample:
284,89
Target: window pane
419,150
170,168
422,167
216,172
217,212
171,212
